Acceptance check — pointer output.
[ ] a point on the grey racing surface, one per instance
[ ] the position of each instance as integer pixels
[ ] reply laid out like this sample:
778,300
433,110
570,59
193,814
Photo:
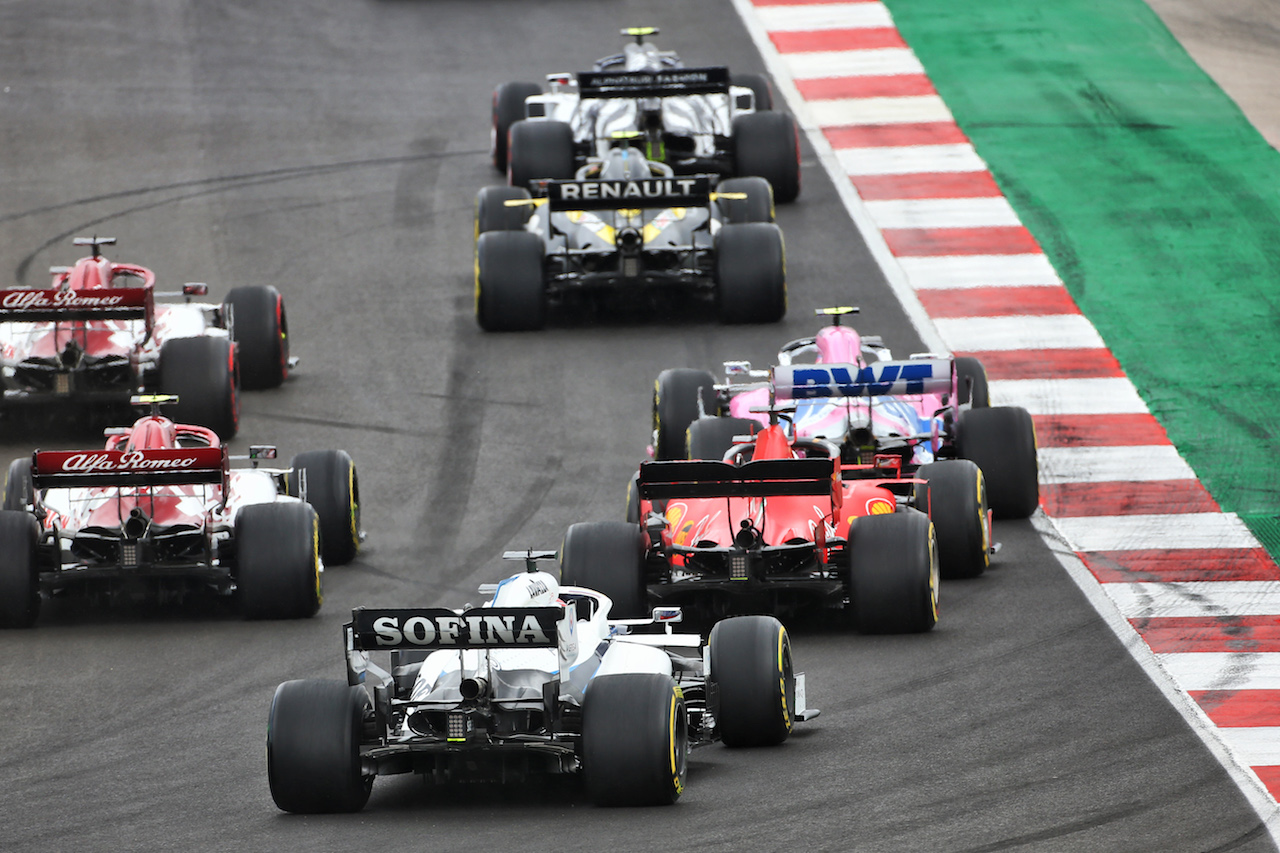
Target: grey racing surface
334,150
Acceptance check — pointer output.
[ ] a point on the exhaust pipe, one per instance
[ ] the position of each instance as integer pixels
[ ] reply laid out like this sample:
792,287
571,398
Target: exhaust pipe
473,688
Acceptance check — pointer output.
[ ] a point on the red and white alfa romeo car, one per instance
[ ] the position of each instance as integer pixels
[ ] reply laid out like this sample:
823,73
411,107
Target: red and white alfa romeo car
97,336
158,513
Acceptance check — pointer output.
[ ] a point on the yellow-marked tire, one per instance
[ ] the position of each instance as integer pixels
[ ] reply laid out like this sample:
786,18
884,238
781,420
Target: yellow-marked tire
278,560
752,669
313,747
675,406
609,557
635,740
333,490
954,496
1002,441
893,573
493,214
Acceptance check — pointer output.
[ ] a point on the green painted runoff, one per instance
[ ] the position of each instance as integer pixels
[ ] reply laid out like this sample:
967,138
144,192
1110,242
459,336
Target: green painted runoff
1155,199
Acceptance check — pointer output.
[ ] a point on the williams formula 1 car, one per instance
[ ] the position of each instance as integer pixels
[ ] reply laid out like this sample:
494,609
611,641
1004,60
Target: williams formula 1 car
158,513
696,120
626,224
539,680
97,336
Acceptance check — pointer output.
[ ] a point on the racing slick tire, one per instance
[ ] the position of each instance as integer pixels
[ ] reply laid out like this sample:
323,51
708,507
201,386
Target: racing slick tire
19,493
1002,441
635,740
676,393
756,207
333,490
510,293
971,377
633,499
767,144
492,213
202,372
711,438
261,332
893,573
759,86
751,273
313,747
278,560
508,108
539,149
752,668
608,556
19,569
955,499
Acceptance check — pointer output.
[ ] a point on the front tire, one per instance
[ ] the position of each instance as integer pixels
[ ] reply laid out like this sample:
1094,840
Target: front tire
759,86
19,492
493,214
756,207
608,557
540,149
1002,441
751,273
955,498
635,740
202,373
313,747
261,331
333,490
510,293
676,396
893,573
19,570
278,560
767,144
752,668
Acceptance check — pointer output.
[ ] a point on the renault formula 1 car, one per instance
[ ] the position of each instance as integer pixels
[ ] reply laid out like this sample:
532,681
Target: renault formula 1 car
626,224
158,513
97,336
541,679
932,413
696,120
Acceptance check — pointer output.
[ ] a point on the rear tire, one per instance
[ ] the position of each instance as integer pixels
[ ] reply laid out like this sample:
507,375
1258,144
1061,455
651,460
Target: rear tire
202,372
767,144
608,557
635,740
955,498
19,569
970,370
751,273
893,573
675,406
313,747
1002,441
261,332
278,560
760,87
510,293
540,149
19,493
752,667
633,500
711,438
333,490
492,213
756,207
508,108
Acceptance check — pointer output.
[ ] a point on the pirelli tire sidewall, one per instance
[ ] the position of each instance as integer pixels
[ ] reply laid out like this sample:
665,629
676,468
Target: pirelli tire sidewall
511,291
314,731
19,569
508,108
540,149
752,669
635,740
767,144
751,273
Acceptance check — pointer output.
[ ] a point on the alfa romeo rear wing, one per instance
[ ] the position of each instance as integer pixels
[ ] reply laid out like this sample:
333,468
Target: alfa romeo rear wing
678,191
170,466
654,84
886,378
761,479
97,303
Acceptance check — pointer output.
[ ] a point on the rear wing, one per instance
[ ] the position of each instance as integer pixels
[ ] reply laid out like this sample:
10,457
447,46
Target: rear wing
654,84
440,628
762,479
886,378
61,469
687,191
97,303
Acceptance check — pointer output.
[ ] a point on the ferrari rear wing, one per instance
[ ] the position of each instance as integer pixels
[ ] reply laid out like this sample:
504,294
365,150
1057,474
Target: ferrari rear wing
679,191
886,378
654,84
170,466
762,479
97,303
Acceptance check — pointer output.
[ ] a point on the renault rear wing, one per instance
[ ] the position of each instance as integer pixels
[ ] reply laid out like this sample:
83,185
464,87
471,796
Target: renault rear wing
761,479
678,191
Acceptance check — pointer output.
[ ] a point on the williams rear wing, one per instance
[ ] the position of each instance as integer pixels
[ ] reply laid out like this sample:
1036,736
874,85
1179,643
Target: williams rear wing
886,378
170,466
762,479
57,305
678,191
654,84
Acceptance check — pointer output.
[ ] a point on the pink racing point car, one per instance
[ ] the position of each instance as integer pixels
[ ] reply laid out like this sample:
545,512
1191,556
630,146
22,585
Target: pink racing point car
159,514
972,460
97,336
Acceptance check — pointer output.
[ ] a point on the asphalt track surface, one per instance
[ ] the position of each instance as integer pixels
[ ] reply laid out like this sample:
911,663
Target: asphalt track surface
334,150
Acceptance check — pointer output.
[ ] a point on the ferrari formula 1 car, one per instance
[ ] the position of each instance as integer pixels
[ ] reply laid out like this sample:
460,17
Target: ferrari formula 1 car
696,120
158,513
539,680
932,413
624,224
97,336
777,525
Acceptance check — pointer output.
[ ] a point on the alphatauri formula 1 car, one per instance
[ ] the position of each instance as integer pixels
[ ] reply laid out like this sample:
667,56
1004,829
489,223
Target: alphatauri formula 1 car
695,120
97,336
159,514
541,679
626,224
